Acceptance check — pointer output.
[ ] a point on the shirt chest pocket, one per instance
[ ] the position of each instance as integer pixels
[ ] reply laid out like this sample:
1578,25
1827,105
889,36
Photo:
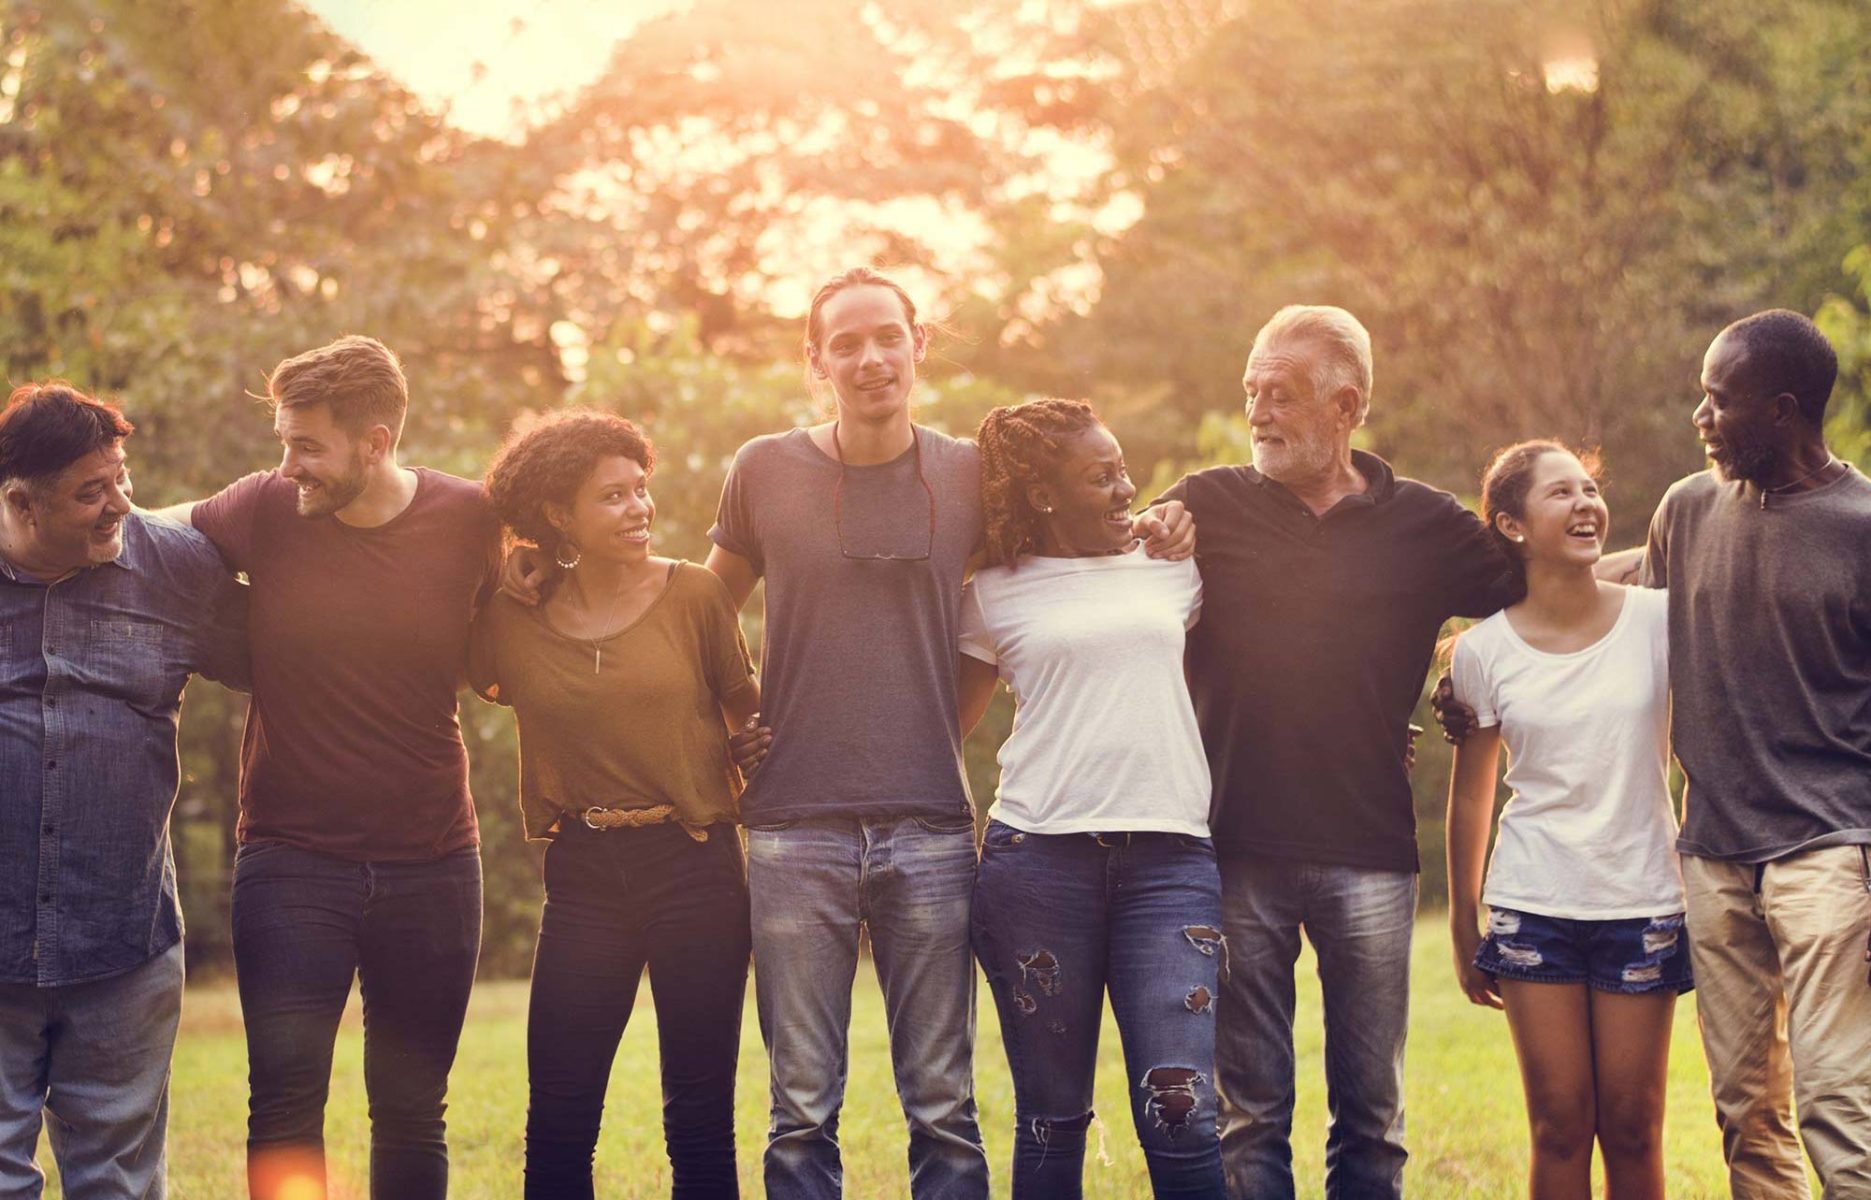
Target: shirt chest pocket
130,656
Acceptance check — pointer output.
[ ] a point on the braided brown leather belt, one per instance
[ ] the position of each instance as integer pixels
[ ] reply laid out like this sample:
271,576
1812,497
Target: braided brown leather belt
636,818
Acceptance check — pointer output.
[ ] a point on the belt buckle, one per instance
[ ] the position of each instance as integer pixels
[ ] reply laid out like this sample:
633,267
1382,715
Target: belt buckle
589,823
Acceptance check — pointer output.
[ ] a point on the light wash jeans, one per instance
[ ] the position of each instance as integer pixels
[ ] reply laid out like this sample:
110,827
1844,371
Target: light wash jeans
1359,921
94,1059
813,883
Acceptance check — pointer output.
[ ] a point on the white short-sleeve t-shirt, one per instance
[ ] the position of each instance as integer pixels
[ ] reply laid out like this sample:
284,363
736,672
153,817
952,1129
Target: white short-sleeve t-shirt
1589,833
1104,734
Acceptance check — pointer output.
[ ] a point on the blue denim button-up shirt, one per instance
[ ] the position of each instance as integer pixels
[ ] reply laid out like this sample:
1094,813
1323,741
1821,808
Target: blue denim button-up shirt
91,675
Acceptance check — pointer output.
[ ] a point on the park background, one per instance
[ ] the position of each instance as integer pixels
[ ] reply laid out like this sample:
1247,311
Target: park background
1542,210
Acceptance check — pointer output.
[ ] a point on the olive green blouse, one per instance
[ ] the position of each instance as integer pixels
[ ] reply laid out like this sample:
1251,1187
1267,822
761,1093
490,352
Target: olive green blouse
642,729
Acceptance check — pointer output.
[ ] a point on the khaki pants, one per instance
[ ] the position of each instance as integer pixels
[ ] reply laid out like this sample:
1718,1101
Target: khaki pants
1785,1009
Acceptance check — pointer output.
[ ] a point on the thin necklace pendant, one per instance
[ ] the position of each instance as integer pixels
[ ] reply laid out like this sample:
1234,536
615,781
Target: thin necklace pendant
1774,491
597,659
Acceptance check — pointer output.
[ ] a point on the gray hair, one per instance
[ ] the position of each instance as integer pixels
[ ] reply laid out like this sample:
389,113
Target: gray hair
1347,344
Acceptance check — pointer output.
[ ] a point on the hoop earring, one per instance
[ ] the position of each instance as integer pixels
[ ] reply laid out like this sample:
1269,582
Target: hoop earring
558,556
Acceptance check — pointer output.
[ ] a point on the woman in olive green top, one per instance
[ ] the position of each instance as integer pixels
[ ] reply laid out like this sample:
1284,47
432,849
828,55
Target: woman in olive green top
625,682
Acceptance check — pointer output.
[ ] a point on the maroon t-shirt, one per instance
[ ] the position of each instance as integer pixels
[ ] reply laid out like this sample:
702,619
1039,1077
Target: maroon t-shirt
360,638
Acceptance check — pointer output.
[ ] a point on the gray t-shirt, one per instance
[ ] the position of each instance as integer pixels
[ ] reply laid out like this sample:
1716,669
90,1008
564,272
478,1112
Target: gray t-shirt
858,658
1770,663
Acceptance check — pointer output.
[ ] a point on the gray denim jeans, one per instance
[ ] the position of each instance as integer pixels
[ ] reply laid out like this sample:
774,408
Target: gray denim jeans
91,1062
1359,921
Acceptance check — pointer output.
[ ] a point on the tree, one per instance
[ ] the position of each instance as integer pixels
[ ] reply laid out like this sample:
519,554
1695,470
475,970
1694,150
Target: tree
1847,323
1542,211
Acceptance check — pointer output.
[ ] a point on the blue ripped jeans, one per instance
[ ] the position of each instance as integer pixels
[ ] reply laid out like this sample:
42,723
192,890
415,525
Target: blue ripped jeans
1059,919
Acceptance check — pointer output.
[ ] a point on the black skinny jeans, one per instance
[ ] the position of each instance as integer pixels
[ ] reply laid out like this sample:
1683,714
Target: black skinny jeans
305,925
616,901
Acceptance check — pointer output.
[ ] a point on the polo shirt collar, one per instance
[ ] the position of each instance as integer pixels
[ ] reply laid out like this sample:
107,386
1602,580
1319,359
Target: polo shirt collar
1380,479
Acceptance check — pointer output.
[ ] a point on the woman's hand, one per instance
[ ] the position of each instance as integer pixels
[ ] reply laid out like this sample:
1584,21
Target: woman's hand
749,744
1476,984
527,574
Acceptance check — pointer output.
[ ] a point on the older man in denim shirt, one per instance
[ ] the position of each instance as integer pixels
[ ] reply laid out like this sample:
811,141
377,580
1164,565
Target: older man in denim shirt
104,615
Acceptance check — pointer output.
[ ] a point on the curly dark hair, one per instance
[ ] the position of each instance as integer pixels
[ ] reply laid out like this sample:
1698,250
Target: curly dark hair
546,458
1505,483
1019,442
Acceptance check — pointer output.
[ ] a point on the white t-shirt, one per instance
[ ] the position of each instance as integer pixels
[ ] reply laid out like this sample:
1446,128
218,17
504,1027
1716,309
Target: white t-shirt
1104,734
1589,833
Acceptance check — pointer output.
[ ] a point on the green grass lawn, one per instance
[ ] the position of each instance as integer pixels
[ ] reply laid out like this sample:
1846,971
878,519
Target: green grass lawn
1467,1125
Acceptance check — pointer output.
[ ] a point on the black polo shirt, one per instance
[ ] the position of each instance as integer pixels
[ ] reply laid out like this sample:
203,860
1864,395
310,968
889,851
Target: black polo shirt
1315,642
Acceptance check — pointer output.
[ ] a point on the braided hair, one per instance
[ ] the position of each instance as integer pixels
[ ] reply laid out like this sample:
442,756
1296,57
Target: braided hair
1019,442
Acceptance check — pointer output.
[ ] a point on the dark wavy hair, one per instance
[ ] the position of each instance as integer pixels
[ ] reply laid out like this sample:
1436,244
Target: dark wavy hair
547,458
1504,487
47,427
1019,444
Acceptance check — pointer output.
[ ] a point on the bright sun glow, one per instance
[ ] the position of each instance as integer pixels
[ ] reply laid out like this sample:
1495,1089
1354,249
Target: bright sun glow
1574,74
495,65
482,58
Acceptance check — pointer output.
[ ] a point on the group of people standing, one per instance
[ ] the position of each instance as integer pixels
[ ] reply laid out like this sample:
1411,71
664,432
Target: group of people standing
1209,758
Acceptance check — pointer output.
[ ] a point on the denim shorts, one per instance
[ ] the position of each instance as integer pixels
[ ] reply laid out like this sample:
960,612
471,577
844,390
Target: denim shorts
1636,955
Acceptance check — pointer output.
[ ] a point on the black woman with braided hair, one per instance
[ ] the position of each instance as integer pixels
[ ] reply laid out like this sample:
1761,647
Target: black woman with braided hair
1097,872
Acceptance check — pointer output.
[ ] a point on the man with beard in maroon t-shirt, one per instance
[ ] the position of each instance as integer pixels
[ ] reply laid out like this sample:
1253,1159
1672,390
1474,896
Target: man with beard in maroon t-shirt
359,854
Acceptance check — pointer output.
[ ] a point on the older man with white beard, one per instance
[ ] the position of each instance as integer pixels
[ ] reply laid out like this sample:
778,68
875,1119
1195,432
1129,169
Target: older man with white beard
1326,580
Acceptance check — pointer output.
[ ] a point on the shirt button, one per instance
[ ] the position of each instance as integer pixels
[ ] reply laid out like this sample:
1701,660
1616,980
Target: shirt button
51,701
48,827
51,764
45,897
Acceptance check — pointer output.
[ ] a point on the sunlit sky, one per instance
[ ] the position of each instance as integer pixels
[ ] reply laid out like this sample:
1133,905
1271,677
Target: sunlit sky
481,57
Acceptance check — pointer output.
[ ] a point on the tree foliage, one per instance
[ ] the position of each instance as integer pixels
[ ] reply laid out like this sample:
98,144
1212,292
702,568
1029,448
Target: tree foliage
1542,209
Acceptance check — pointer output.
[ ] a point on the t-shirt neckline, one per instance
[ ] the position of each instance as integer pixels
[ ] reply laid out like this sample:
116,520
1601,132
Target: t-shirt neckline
1126,555
1752,494
349,530
669,585
917,433
1603,640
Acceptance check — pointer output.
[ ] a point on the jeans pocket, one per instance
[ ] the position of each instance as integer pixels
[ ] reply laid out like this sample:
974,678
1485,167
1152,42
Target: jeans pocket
769,826
1001,837
947,824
